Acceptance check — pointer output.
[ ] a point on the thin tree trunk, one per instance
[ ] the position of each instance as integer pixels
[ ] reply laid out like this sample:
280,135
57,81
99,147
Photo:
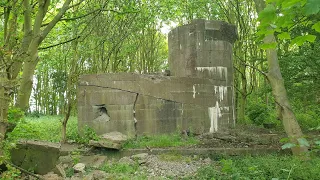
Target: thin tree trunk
279,92
65,121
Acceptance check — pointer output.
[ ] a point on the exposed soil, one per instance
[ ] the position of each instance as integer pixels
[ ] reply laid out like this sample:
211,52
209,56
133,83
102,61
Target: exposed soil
242,137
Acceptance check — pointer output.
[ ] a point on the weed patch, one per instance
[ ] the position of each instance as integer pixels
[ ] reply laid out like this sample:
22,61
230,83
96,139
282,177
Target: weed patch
167,140
121,168
263,167
48,128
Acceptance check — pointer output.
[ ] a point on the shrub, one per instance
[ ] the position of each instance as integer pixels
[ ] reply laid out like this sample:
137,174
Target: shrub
261,167
15,115
260,113
308,120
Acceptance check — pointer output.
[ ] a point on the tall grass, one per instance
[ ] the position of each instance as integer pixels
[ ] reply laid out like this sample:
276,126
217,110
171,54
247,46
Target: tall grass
165,140
266,167
47,128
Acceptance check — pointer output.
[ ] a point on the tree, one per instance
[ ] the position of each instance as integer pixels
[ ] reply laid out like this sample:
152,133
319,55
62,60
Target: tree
22,37
272,22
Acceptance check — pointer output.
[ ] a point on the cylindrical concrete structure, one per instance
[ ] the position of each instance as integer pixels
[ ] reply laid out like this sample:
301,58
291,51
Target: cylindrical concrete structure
202,49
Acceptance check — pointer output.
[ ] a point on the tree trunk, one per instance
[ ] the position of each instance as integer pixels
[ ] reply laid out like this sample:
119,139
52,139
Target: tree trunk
38,35
279,92
64,123
243,94
26,84
4,105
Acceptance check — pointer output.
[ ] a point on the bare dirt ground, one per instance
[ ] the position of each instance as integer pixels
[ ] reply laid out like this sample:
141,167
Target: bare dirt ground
242,136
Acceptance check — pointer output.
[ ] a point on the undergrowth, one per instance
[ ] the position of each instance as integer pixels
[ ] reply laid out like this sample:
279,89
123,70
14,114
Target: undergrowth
48,128
123,171
266,167
157,141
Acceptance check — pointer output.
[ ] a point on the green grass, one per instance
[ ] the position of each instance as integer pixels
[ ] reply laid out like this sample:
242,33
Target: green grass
120,168
261,167
47,128
123,171
158,141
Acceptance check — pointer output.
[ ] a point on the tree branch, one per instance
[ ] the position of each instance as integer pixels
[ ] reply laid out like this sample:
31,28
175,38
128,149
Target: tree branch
89,13
248,65
55,20
239,91
24,171
77,4
54,45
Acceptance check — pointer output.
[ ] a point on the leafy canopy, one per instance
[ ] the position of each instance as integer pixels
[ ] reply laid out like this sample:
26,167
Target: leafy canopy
281,16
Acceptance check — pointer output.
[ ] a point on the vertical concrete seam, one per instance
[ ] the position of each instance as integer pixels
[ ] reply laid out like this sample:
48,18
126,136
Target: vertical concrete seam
134,115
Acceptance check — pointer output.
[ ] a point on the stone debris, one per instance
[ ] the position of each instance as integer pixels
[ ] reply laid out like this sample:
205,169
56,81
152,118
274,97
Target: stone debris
96,175
156,167
52,176
79,167
127,160
60,170
141,158
112,140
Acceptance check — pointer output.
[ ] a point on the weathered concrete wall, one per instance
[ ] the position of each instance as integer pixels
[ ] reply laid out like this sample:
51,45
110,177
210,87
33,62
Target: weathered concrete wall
203,49
198,95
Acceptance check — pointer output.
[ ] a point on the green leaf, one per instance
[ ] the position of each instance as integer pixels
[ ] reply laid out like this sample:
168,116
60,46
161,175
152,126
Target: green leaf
283,140
316,27
312,7
268,46
273,26
284,35
290,3
317,143
287,146
268,14
302,39
303,142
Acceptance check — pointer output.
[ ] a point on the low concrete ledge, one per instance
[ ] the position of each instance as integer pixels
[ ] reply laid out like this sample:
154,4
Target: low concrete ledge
209,151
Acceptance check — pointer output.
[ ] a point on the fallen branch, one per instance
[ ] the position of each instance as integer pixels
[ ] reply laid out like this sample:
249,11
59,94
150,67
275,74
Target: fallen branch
24,171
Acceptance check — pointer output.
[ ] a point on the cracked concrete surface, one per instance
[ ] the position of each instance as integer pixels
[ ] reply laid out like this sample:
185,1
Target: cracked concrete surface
201,75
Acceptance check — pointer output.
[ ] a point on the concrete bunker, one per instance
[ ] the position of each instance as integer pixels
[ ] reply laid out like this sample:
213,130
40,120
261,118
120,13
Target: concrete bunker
198,94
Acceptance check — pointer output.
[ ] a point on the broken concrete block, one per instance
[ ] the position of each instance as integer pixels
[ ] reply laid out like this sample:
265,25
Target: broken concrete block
93,161
41,156
112,140
115,137
105,144
60,170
